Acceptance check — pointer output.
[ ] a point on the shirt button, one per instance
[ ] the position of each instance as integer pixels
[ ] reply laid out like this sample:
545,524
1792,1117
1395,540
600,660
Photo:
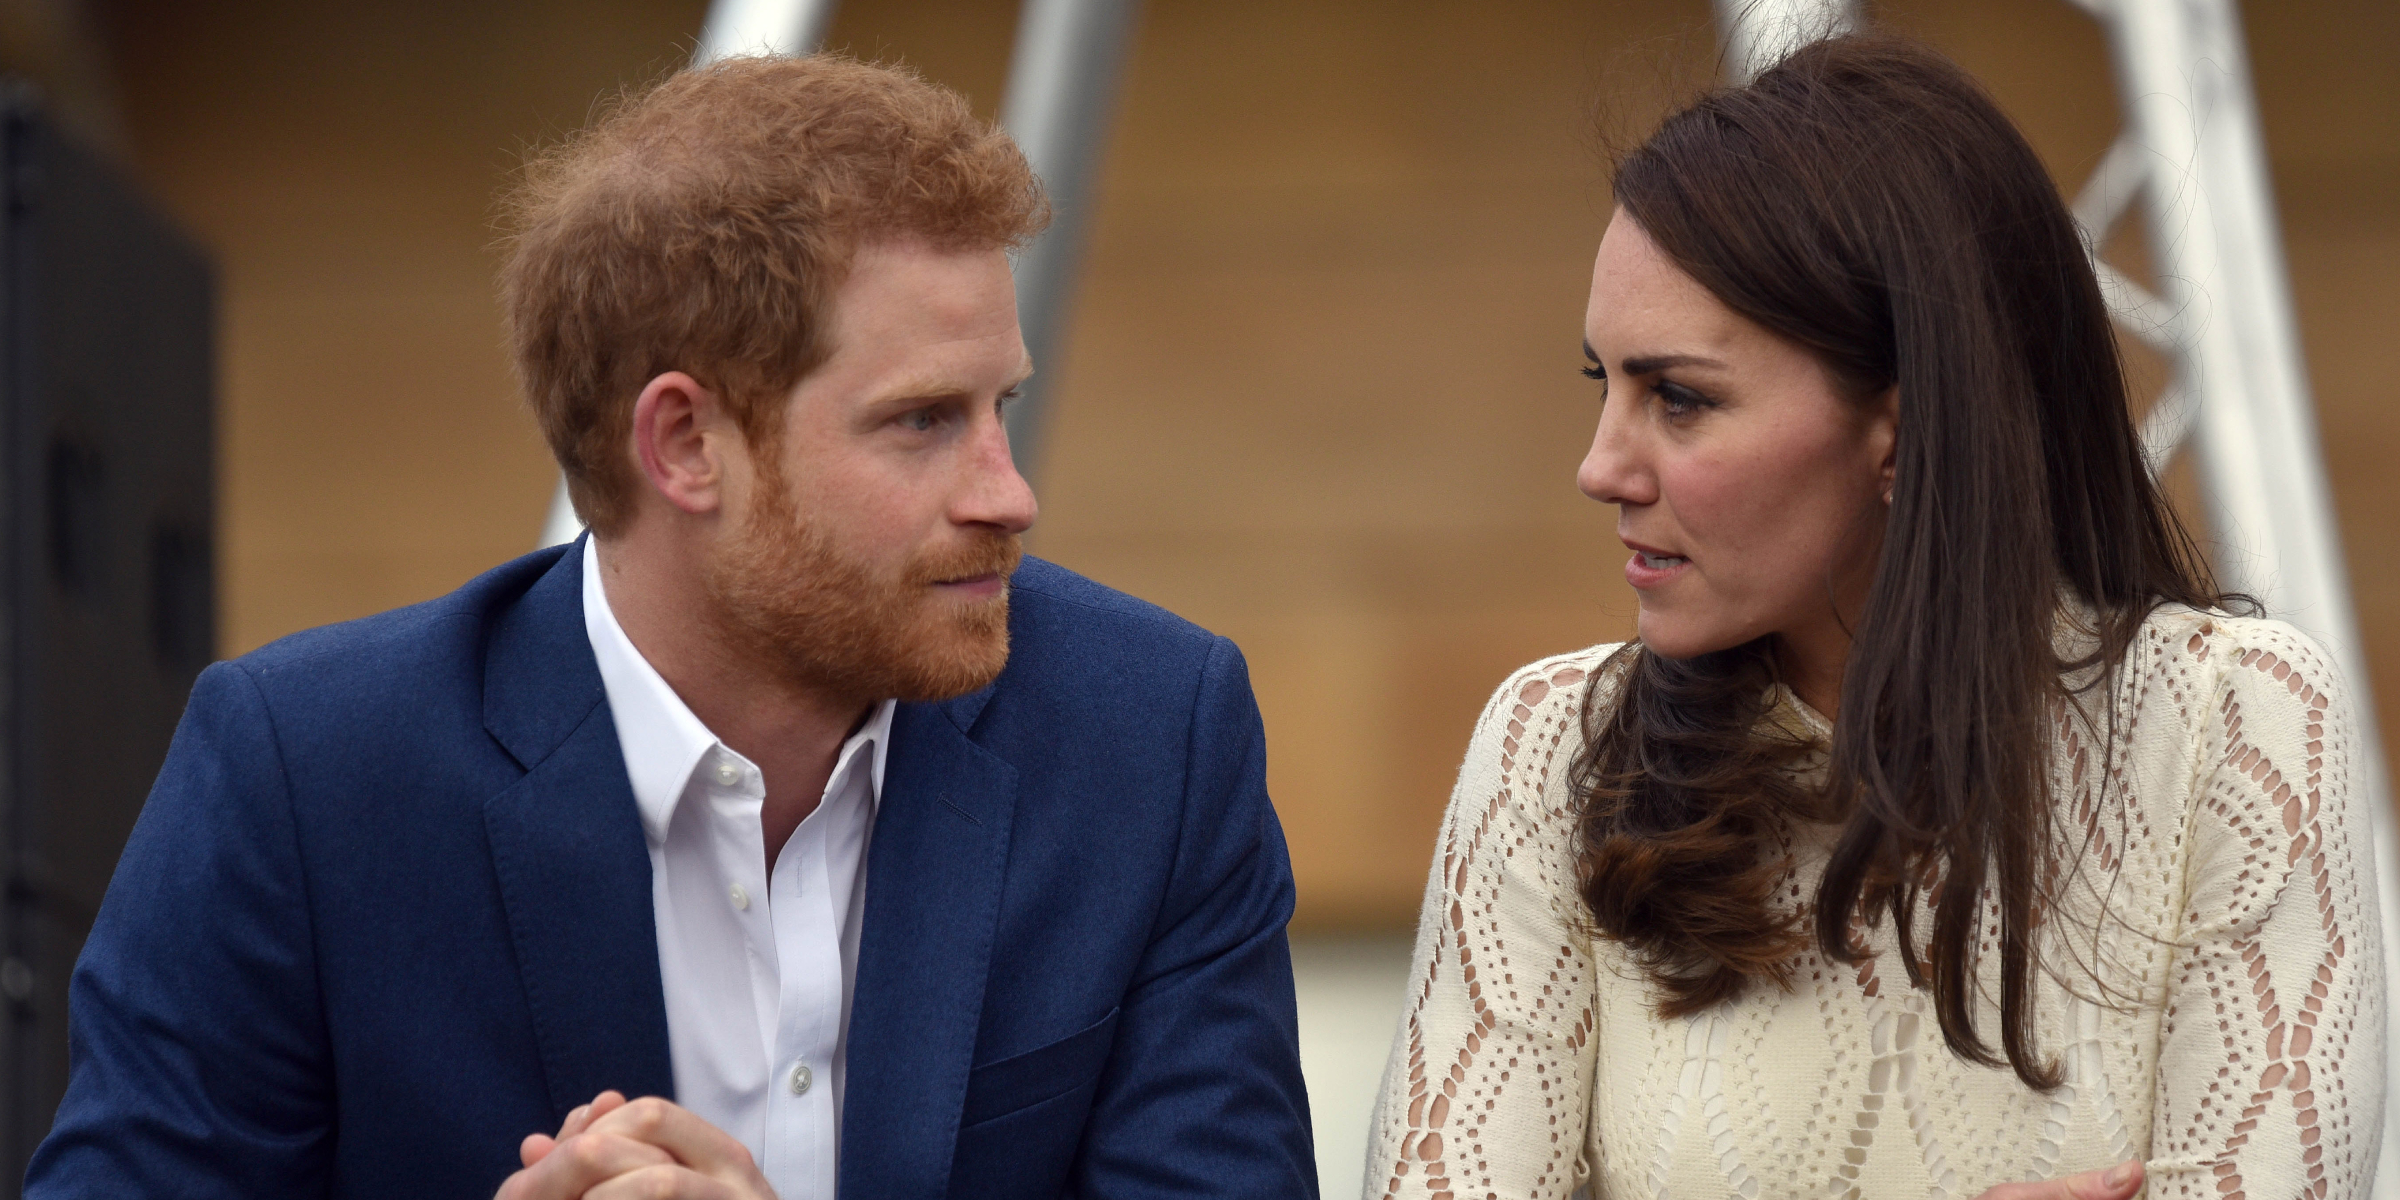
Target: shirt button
728,774
741,899
801,1078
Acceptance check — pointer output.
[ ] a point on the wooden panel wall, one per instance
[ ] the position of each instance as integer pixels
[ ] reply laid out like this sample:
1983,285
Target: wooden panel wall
1320,394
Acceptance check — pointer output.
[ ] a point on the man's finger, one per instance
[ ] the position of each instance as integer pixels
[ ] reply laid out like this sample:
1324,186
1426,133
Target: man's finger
664,1183
680,1132
537,1146
577,1165
584,1114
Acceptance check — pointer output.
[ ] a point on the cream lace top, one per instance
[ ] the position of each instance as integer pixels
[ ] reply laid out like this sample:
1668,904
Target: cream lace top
2214,992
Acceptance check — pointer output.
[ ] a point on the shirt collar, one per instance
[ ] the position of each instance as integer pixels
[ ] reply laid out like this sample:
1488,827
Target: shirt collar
874,739
662,741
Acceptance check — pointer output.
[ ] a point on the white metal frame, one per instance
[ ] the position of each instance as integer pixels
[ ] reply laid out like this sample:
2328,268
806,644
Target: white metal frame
1062,89
2192,154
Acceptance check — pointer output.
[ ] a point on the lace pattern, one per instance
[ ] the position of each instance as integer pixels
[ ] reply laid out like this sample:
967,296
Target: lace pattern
2214,994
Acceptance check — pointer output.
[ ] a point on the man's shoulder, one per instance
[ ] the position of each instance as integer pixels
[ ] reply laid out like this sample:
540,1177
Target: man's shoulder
1081,652
403,649
1053,602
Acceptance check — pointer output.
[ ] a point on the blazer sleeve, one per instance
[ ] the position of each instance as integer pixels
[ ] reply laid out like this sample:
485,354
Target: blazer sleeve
1488,1089
2272,1058
198,1061
1203,1095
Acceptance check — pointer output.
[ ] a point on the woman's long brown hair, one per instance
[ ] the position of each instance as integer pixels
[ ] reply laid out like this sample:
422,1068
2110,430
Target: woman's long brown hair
1866,199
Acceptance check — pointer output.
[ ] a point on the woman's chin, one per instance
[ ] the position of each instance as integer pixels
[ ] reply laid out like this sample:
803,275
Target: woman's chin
1669,637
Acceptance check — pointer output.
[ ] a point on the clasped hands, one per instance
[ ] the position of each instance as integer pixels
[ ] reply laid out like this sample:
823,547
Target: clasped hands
647,1149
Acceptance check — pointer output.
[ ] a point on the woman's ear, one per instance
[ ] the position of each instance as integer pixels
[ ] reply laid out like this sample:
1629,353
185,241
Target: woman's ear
679,438
1884,434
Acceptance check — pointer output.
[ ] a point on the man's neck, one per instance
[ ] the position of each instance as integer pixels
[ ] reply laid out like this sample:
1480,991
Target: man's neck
793,733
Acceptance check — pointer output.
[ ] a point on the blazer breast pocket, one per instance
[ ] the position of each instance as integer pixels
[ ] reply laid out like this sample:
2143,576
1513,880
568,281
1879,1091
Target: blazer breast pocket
1021,1081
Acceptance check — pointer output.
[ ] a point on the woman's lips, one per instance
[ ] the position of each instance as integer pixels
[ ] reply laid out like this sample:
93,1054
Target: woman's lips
1648,570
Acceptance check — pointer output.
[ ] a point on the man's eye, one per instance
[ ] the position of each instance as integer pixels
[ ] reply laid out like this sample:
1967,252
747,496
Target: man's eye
922,420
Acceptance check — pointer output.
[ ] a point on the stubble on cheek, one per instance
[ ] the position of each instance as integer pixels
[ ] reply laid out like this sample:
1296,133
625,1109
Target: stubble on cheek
826,617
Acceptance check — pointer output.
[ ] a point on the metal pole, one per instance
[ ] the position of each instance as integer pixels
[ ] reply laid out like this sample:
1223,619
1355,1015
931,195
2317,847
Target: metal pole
733,27
1062,88
1759,33
762,27
2185,76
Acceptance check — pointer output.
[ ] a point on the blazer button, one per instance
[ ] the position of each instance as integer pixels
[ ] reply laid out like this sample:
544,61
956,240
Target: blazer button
801,1078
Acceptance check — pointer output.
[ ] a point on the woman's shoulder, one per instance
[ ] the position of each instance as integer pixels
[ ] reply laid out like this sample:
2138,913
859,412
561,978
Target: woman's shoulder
1534,721
2229,718
1548,687
2215,649
1513,798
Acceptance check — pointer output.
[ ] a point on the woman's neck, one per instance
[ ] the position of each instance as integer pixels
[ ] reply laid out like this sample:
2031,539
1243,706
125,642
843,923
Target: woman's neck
1812,664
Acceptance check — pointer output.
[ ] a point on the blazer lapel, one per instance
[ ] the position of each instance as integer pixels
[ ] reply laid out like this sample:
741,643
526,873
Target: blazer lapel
934,871
567,846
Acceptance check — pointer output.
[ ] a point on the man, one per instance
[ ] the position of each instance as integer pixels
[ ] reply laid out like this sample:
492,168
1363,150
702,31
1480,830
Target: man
869,858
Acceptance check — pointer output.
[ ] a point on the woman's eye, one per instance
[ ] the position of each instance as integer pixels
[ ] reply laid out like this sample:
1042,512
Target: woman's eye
1597,374
1679,400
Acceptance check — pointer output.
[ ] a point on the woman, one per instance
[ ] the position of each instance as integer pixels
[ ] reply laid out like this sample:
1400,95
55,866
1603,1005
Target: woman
1944,827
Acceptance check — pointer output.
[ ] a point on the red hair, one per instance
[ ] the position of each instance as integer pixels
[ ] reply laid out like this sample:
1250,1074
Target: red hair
703,225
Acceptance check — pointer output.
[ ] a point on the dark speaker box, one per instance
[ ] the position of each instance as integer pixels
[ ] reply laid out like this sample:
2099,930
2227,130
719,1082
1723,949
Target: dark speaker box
107,549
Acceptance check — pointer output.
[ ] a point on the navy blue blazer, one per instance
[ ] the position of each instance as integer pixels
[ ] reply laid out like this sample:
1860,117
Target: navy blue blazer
387,911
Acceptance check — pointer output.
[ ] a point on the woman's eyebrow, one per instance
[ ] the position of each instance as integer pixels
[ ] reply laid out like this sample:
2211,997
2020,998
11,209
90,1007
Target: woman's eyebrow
1652,364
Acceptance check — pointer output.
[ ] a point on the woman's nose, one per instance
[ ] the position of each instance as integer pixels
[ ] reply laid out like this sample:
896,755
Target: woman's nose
1612,472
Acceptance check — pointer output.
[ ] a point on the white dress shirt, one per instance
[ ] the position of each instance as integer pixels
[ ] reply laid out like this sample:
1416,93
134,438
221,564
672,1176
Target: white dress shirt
758,970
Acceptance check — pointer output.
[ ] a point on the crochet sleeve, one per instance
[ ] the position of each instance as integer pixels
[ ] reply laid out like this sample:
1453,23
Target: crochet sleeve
2271,1065
1490,1080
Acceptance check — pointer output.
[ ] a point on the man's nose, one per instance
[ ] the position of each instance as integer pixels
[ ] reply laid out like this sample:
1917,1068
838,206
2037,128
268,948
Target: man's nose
996,492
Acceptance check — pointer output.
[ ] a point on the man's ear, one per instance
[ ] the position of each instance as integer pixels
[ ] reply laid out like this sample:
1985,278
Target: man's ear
680,434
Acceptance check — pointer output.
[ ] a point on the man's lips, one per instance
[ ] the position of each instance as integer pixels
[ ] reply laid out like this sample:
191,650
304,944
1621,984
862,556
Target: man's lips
987,582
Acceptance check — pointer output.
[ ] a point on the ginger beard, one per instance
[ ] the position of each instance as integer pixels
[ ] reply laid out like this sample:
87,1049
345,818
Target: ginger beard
786,592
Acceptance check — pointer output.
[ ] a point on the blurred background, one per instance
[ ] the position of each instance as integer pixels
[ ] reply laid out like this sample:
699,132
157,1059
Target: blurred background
1319,388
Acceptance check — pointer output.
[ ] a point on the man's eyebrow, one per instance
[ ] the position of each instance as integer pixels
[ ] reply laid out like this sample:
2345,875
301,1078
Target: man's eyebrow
918,391
1654,363
929,388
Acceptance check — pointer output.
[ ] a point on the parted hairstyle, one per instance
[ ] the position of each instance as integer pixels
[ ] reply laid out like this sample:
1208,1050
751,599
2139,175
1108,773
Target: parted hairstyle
1866,199
703,226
